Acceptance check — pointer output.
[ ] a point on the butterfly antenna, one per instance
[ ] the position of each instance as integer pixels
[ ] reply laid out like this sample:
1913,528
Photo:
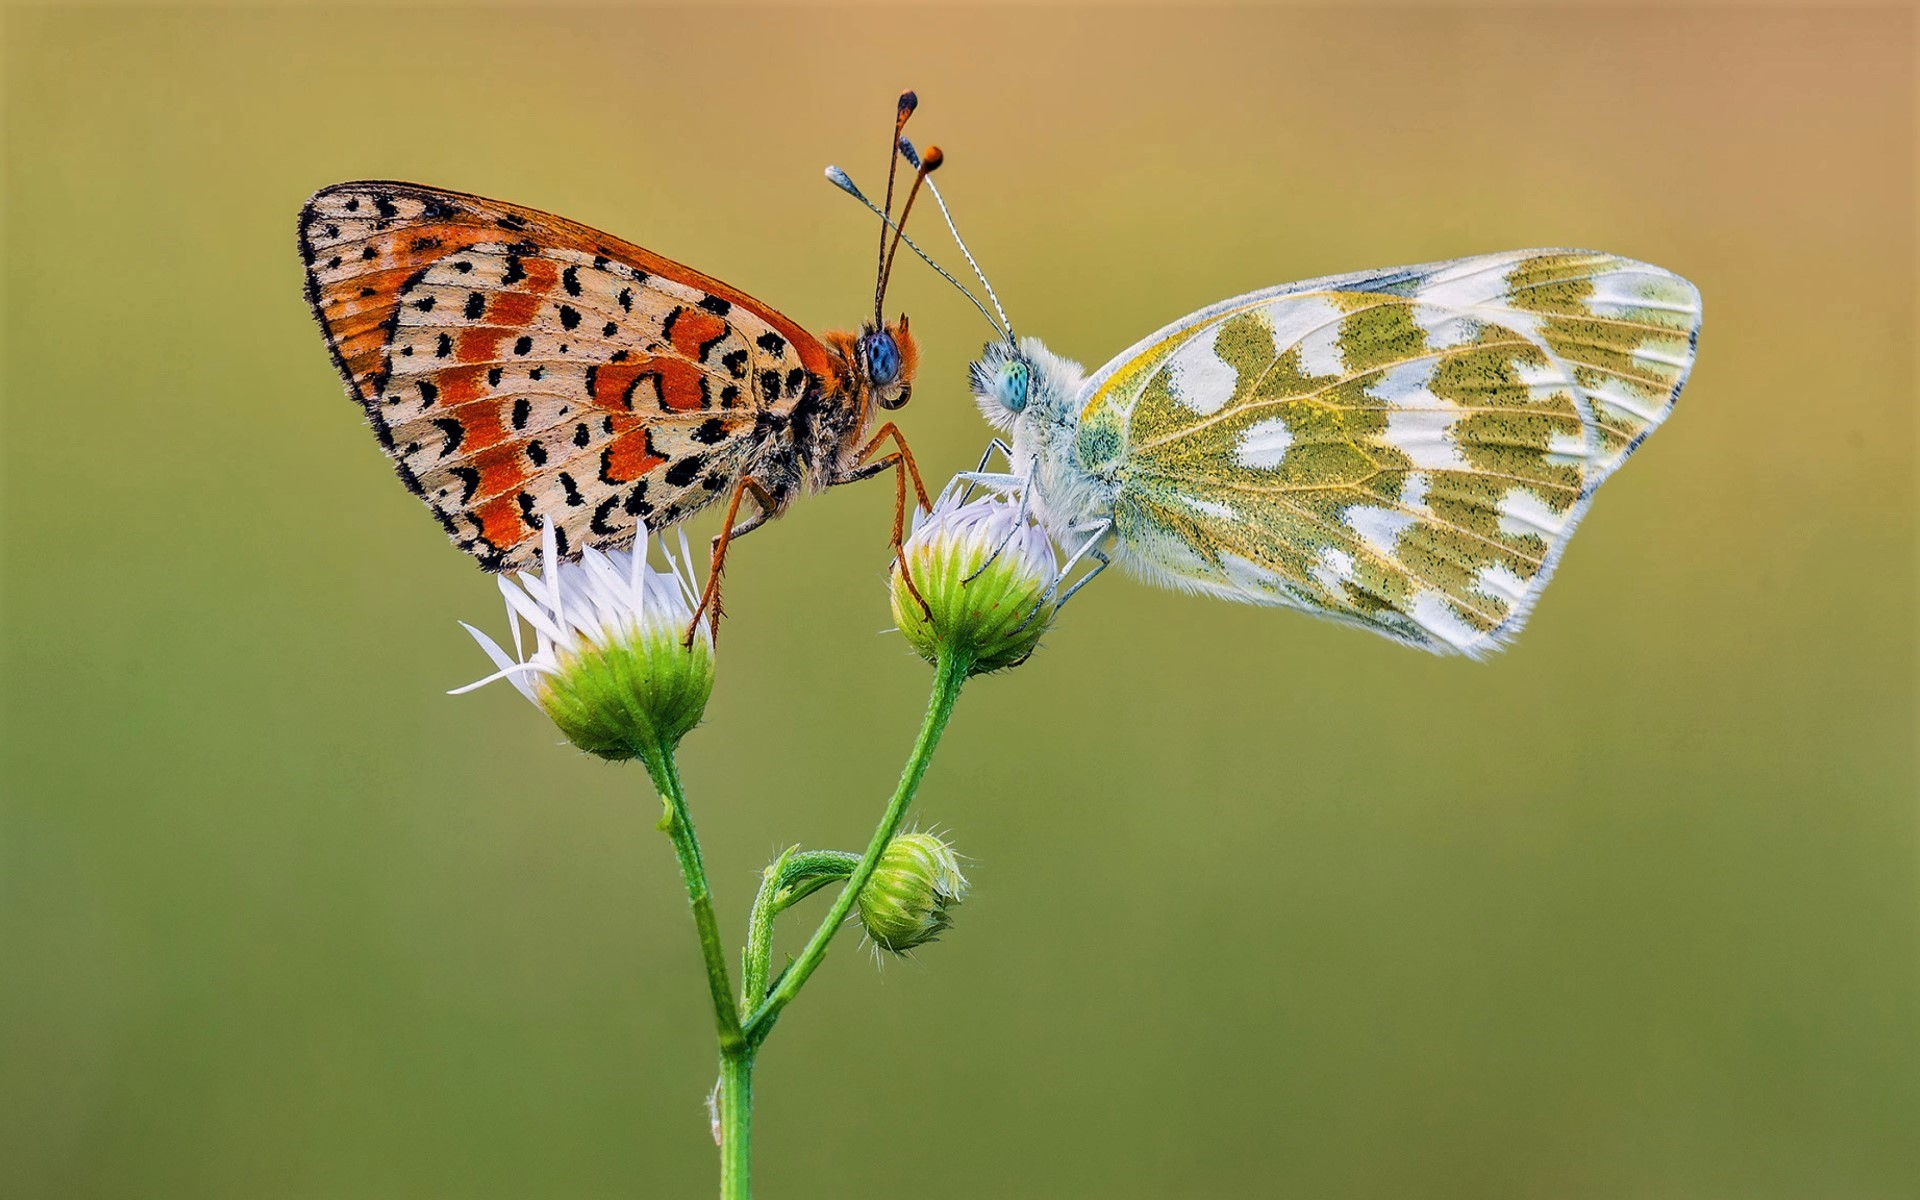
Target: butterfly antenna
906,150
921,171
840,179
908,102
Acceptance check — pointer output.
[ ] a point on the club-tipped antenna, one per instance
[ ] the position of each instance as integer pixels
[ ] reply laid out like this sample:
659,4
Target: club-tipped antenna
839,179
921,170
913,159
908,102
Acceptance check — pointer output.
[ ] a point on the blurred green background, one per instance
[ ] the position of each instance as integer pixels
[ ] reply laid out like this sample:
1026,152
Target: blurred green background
1263,907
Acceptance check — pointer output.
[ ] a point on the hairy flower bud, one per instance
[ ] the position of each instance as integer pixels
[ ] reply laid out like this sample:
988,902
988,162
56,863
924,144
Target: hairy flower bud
609,666
909,899
986,576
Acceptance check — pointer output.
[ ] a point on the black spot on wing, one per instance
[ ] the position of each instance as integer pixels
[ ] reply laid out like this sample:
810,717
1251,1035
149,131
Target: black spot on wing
455,431
685,471
601,512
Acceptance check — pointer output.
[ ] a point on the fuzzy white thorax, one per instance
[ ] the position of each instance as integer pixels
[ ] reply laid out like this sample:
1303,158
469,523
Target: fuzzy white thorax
1043,421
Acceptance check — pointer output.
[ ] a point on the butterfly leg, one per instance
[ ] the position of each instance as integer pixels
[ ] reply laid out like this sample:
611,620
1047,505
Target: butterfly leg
972,477
1088,549
1019,520
900,461
710,597
1099,556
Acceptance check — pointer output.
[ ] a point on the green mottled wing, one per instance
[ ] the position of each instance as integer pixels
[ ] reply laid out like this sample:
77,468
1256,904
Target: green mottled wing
1407,450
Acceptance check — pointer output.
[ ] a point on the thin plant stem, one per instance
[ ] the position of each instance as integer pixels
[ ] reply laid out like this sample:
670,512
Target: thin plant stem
678,825
797,875
736,1123
950,672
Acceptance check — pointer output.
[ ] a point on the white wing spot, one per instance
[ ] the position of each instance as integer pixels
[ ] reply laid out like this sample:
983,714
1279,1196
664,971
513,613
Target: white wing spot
1426,438
1499,581
1197,376
1264,444
1320,352
1522,512
1413,490
1665,354
1437,616
1444,328
1298,319
1620,293
1407,386
1615,398
1378,527
1334,568
1567,449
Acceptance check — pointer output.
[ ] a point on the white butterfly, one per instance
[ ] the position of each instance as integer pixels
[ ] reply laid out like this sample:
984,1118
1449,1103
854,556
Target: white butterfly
1406,450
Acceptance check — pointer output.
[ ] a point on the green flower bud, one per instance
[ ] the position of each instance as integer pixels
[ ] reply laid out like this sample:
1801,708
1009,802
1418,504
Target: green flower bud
609,665
909,899
986,575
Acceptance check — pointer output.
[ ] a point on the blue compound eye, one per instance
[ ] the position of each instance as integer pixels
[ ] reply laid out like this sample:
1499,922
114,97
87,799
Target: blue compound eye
1013,384
883,358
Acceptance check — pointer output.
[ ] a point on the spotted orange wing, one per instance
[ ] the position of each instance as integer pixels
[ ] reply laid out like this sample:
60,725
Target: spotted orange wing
521,368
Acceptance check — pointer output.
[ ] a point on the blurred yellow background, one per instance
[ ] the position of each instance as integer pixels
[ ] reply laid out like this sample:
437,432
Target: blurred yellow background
1263,906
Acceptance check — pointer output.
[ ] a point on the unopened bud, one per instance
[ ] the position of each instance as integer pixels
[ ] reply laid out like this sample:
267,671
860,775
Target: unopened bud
910,898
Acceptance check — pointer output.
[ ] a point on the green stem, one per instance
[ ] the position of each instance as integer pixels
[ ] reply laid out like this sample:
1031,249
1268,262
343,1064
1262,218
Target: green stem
796,875
948,676
678,825
736,1123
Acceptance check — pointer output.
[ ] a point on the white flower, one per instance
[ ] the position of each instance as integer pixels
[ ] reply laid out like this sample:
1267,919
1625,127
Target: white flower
609,664
985,578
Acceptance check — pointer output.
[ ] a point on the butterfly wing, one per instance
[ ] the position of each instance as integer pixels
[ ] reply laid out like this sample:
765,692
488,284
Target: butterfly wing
1407,450
522,368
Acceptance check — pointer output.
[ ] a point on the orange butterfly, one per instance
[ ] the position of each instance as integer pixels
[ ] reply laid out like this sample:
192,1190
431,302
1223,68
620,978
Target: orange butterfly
522,369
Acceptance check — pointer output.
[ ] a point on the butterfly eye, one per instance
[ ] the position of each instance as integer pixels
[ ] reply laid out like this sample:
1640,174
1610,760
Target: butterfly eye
883,358
1012,387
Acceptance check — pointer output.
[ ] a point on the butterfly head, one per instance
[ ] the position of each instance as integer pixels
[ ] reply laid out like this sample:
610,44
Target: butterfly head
888,358
1009,379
